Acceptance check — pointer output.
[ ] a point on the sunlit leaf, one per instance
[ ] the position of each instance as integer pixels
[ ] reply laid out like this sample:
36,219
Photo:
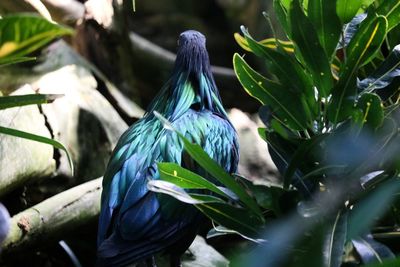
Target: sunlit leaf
14,60
23,34
284,104
174,173
23,100
270,43
40,139
347,9
208,164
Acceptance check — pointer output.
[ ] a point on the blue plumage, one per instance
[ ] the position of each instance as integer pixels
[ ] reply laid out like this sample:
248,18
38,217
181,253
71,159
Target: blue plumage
134,222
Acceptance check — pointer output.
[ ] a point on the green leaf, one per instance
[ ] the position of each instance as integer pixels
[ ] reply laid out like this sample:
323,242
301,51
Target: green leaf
335,240
171,189
287,70
23,34
303,151
23,100
371,207
315,59
384,73
281,14
238,219
14,60
391,10
386,263
360,50
40,139
174,173
322,14
208,164
284,104
372,107
347,9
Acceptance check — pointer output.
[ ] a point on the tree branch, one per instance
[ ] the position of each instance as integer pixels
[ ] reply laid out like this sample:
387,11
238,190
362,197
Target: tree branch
54,217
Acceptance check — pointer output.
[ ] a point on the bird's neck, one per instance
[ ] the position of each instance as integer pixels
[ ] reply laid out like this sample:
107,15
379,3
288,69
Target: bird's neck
188,90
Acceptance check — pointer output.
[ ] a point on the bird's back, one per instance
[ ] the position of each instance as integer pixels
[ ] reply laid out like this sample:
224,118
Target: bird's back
134,222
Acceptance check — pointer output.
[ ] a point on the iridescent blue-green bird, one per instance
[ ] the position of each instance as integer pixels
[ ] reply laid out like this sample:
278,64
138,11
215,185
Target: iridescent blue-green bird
136,223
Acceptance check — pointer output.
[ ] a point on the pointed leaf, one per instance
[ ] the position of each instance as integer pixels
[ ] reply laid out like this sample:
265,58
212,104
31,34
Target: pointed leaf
315,59
372,108
23,34
347,9
384,74
281,14
303,151
23,100
361,49
171,189
237,219
335,240
174,173
322,14
281,101
14,60
371,251
368,210
208,164
386,263
391,10
40,139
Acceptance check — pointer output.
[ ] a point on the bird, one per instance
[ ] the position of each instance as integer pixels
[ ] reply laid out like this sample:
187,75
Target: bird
136,223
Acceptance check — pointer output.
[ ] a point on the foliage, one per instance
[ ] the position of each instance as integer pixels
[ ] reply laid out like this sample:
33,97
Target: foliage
20,35
332,119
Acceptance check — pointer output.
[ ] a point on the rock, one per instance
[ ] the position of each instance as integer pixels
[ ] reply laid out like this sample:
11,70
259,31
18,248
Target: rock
255,162
199,254
83,120
22,159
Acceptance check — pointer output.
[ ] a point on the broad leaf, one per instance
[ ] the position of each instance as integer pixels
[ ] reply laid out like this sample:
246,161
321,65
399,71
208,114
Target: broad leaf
281,14
386,263
384,74
307,42
23,34
304,151
14,60
360,50
335,240
174,173
238,219
391,10
322,14
371,251
369,209
171,189
23,100
40,139
347,9
287,107
372,108
270,43
208,164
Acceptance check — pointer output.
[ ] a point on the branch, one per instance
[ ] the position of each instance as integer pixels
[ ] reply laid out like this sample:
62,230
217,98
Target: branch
54,217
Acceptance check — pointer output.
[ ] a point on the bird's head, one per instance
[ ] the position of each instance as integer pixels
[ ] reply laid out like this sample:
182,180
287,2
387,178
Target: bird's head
192,54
